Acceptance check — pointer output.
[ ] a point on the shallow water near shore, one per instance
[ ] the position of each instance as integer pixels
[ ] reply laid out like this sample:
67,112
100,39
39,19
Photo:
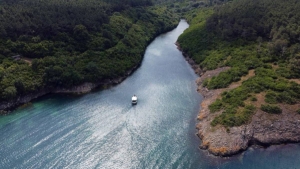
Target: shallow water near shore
103,130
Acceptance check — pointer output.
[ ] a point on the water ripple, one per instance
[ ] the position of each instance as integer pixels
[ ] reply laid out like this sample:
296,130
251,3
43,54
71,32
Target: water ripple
103,130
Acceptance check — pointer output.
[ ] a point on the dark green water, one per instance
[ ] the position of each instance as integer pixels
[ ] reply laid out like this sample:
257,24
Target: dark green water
103,130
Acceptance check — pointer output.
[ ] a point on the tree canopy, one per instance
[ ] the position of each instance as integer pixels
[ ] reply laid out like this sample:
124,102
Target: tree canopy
63,43
259,35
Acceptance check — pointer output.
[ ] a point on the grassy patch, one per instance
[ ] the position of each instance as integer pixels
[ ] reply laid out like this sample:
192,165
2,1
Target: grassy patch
216,106
273,63
232,117
272,109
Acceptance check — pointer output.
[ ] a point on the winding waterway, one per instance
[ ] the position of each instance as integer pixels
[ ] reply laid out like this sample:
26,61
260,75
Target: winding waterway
103,130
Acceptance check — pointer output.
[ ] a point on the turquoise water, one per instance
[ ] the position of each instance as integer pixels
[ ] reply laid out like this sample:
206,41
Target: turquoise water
103,130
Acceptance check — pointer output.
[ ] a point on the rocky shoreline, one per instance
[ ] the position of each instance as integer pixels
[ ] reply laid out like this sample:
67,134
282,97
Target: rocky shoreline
87,87
264,129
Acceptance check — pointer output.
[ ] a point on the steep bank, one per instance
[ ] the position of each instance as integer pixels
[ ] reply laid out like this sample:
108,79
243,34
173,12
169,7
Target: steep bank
264,129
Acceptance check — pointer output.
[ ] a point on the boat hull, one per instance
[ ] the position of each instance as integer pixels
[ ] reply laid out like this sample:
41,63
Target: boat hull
134,100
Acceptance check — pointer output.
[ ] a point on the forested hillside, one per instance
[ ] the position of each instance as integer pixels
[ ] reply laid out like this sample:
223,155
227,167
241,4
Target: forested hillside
183,6
63,43
259,35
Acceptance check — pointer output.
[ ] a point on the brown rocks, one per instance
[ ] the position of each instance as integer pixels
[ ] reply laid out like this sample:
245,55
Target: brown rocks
264,129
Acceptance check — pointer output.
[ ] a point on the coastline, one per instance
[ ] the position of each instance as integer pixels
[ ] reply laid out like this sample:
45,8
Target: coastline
6,107
264,129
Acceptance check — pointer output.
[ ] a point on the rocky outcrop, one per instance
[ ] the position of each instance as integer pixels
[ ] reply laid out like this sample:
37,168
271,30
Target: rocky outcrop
4,106
264,129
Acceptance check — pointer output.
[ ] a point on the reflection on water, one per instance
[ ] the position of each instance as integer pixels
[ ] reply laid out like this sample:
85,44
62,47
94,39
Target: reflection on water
103,130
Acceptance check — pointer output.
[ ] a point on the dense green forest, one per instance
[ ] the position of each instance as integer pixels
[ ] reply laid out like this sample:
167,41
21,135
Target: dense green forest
63,43
259,35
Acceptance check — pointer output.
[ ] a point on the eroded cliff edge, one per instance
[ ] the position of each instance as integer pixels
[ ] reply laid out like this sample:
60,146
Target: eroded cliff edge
264,129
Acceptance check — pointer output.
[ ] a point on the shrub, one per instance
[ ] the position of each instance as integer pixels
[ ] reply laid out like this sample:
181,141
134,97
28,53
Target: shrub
271,97
284,72
205,82
216,106
9,93
230,117
285,97
271,109
224,79
253,99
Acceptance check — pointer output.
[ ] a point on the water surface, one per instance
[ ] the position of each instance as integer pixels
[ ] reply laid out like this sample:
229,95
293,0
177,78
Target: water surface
103,130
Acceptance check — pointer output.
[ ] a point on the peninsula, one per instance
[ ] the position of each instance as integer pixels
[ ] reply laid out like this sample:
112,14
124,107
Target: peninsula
264,129
248,63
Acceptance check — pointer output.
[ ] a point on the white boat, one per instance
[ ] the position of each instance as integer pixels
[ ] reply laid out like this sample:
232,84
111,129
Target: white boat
134,99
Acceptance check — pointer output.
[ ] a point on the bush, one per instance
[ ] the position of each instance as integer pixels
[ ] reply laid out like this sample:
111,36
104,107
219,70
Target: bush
281,97
230,117
271,109
205,82
284,72
224,79
227,39
271,97
253,99
286,97
9,93
216,106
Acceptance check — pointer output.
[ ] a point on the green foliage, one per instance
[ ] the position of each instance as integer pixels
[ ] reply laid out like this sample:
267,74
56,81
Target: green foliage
252,38
257,19
216,106
271,97
73,42
231,117
254,99
9,93
224,79
205,82
282,94
285,72
286,97
271,109
195,39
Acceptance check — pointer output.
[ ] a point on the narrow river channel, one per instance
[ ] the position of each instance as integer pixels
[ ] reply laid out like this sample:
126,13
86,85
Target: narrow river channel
103,130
